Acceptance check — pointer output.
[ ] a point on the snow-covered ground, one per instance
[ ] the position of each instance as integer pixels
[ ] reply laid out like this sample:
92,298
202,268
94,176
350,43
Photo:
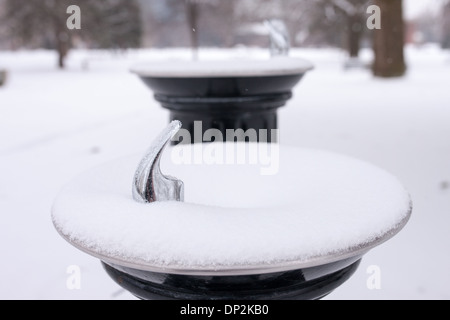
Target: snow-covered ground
56,124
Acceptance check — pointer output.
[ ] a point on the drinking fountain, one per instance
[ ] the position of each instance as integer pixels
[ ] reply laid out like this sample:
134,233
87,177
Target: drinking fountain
234,233
224,229
228,94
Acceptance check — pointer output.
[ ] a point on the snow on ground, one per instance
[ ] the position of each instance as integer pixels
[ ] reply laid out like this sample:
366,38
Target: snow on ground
56,124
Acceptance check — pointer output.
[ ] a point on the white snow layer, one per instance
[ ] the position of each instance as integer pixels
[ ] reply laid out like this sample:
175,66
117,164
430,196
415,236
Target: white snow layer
318,203
224,67
55,125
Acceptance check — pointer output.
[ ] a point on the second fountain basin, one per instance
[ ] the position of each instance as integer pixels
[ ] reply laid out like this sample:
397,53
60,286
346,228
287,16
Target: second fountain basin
227,94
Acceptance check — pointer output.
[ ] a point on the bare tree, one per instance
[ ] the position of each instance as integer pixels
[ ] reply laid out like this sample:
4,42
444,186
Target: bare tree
192,14
105,23
3,34
354,13
33,23
210,22
389,40
446,26
114,23
349,16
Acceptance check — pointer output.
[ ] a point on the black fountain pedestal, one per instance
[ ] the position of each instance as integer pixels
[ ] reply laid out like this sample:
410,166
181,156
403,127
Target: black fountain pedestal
303,284
225,95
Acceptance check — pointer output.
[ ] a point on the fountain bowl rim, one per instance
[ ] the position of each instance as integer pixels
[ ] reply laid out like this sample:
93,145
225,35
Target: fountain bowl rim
240,270
223,68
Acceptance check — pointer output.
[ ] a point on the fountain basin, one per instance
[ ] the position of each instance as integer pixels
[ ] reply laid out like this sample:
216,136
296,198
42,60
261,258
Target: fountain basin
228,94
298,233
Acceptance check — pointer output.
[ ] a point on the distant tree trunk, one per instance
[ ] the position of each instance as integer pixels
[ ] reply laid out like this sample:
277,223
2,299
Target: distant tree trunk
229,29
355,31
63,44
62,53
446,27
3,75
389,41
192,17
63,47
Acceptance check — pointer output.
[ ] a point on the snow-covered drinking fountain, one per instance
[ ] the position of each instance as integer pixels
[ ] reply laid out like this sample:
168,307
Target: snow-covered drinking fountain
221,230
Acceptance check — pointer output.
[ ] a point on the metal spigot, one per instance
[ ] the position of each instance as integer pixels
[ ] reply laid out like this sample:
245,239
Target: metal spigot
149,183
279,37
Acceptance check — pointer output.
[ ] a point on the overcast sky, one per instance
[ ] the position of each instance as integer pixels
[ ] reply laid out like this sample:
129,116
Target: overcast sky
415,7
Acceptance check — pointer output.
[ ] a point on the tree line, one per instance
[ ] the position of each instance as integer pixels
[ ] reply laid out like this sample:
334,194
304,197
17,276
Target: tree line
122,24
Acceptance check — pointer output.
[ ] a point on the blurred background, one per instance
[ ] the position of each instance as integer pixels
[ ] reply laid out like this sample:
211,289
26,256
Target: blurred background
120,24
68,102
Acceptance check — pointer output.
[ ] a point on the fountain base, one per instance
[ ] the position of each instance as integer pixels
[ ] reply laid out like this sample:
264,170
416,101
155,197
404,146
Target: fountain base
257,113
302,284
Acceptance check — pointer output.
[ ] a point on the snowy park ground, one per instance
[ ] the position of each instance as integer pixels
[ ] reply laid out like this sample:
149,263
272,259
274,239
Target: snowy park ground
56,124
